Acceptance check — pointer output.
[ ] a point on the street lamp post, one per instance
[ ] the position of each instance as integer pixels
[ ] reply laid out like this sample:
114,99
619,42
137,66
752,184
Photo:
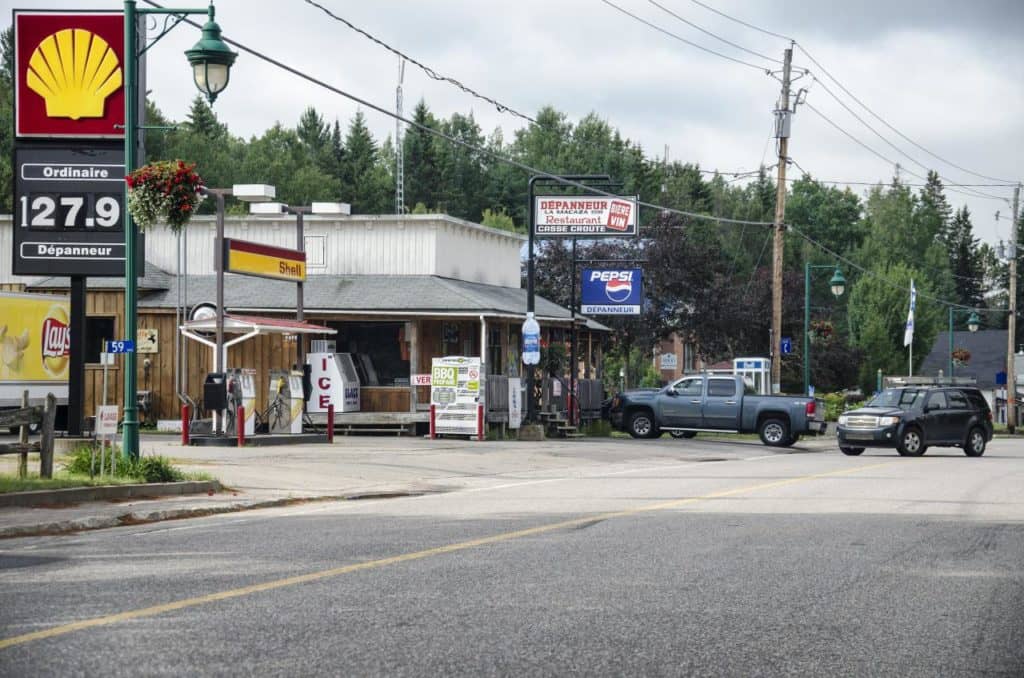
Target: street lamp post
972,324
838,285
211,57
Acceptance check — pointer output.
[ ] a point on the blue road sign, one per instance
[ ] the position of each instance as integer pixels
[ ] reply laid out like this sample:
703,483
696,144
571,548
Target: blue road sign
121,346
787,345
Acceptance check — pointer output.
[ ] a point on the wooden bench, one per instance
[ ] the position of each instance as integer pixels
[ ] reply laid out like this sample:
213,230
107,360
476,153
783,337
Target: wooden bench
24,417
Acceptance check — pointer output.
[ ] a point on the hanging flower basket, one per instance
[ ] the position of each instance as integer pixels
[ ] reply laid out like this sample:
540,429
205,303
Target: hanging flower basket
821,331
961,356
167,190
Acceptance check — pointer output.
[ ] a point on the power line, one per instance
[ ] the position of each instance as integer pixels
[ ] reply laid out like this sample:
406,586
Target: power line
892,145
893,129
426,69
741,22
868,272
889,160
868,183
713,35
429,130
501,107
682,39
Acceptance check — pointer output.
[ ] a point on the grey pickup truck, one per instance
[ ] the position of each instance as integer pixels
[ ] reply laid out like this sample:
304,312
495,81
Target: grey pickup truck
716,403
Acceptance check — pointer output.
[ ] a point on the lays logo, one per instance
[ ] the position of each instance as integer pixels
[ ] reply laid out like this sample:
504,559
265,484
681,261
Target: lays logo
74,71
56,344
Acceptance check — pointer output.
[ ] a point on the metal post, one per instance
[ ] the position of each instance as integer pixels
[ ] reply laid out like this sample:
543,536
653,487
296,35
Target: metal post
76,375
807,327
300,315
218,352
951,373
531,405
572,346
130,442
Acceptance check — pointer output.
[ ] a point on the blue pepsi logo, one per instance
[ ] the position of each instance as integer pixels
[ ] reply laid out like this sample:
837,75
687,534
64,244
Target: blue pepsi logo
618,290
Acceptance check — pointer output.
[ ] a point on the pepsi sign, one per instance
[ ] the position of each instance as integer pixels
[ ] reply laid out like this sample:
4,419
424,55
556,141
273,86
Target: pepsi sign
612,291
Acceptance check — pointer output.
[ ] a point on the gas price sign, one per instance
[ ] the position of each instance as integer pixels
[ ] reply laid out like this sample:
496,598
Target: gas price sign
69,211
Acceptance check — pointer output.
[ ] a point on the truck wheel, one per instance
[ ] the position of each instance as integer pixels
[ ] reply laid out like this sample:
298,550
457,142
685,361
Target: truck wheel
911,443
682,434
975,444
774,432
641,425
851,451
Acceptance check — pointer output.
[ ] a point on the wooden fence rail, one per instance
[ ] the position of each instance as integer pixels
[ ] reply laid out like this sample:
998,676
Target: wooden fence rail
24,417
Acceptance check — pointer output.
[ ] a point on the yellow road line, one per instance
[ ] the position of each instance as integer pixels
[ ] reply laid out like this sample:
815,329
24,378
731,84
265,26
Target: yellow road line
406,557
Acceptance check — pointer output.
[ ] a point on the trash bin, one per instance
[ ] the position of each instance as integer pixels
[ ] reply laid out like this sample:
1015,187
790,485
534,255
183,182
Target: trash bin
215,392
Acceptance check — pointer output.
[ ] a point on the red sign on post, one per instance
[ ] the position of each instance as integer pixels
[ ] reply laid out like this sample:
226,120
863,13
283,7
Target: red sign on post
69,74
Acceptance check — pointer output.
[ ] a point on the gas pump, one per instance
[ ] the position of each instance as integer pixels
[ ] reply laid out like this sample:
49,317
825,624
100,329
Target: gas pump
284,415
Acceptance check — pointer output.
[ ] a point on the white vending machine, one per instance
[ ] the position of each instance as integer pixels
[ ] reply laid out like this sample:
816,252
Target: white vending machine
334,378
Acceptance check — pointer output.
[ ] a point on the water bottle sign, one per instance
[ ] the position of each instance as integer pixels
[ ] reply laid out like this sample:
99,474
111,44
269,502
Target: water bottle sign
531,341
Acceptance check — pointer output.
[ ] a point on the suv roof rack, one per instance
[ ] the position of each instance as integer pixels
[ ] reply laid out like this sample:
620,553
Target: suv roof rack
930,381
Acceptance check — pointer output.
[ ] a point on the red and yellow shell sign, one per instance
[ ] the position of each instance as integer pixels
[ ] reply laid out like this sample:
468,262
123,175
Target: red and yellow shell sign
69,74
265,261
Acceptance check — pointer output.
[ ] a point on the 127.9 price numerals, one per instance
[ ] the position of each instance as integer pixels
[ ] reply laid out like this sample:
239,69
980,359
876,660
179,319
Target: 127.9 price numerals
71,211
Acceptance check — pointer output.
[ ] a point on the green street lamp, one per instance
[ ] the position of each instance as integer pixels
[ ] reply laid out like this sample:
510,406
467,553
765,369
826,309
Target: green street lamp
211,60
973,322
838,285
211,67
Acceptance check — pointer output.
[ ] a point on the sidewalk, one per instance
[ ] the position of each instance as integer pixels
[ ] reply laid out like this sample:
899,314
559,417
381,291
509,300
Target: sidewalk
351,468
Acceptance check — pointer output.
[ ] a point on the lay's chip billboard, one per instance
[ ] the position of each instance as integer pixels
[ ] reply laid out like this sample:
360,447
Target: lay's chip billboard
35,337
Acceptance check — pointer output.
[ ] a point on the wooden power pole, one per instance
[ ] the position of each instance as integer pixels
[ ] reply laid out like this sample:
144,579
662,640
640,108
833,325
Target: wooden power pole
782,118
1011,367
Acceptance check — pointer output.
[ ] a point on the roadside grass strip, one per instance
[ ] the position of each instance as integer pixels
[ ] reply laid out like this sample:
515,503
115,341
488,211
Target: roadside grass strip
154,610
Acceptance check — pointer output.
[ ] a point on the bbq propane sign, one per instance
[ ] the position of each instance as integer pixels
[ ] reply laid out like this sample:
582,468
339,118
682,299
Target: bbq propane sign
564,216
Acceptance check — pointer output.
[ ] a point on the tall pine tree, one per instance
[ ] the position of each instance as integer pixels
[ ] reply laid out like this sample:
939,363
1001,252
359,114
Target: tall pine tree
421,161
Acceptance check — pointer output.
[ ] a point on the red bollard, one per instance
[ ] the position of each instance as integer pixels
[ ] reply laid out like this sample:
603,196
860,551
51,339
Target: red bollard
480,422
185,412
240,420
330,423
433,423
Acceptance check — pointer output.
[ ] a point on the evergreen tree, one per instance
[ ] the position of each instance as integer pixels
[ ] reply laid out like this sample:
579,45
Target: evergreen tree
315,136
421,162
461,174
203,121
965,261
359,179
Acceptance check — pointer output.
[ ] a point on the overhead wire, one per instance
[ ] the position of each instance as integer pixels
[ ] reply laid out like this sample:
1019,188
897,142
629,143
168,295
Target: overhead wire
890,161
438,133
741,22
976,194
713,35
893,129
433,74
670,34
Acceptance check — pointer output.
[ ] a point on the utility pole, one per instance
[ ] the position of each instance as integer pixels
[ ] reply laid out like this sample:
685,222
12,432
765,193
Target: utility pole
1011,368
782,119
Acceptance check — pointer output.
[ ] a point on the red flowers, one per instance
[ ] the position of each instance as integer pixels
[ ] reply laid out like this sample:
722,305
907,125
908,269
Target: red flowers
165,190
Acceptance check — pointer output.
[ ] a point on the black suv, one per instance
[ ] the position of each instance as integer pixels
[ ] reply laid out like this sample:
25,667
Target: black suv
911,418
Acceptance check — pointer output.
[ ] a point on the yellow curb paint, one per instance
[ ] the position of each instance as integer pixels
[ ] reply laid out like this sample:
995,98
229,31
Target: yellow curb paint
403,558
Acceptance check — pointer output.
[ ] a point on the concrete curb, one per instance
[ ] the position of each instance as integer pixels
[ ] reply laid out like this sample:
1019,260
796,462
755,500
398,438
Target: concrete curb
79,495
144,517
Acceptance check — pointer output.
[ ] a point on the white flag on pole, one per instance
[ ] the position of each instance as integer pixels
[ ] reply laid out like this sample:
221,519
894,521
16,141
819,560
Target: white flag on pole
908,332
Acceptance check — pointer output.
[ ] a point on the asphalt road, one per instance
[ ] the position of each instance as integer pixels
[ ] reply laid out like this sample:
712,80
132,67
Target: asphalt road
714,560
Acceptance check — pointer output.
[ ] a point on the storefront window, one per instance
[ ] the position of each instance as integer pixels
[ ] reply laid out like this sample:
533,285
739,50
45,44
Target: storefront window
380,351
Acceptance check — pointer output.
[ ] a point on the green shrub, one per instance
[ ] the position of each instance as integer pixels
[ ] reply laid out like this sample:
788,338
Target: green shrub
834,405
158,470
599,428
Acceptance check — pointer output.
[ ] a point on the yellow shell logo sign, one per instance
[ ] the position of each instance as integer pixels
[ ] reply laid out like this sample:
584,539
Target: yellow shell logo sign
74,71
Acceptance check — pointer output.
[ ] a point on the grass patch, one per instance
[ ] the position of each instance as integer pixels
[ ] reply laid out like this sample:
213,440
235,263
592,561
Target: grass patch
75,472
598,428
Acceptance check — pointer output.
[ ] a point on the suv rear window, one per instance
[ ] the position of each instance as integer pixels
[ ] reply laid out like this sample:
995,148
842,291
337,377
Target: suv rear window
957,400
977,400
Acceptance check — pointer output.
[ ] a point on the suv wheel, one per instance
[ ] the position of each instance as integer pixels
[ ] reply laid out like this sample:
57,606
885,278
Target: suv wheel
774,432
974,446
641,425
911,443
851,451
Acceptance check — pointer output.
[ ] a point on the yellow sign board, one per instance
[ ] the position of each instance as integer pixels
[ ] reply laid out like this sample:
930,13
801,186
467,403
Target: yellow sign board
35,337
265,261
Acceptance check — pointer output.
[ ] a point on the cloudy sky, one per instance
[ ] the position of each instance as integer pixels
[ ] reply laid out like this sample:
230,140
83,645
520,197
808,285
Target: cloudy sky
945,73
